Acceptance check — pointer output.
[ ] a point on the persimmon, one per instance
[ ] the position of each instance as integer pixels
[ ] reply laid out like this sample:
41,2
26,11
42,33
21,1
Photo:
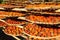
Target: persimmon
2,24
13,30
2,13
35,30
49,19
10,21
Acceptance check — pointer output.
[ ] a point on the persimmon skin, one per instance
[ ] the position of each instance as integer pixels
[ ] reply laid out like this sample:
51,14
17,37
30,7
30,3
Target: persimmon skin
14,21
49,19
13,30
40,31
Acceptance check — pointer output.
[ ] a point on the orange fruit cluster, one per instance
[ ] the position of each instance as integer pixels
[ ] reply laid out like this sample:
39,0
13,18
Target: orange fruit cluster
2,17
13,30
2,24
10,6
2,13
40,31
42,5
49,19
10,21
